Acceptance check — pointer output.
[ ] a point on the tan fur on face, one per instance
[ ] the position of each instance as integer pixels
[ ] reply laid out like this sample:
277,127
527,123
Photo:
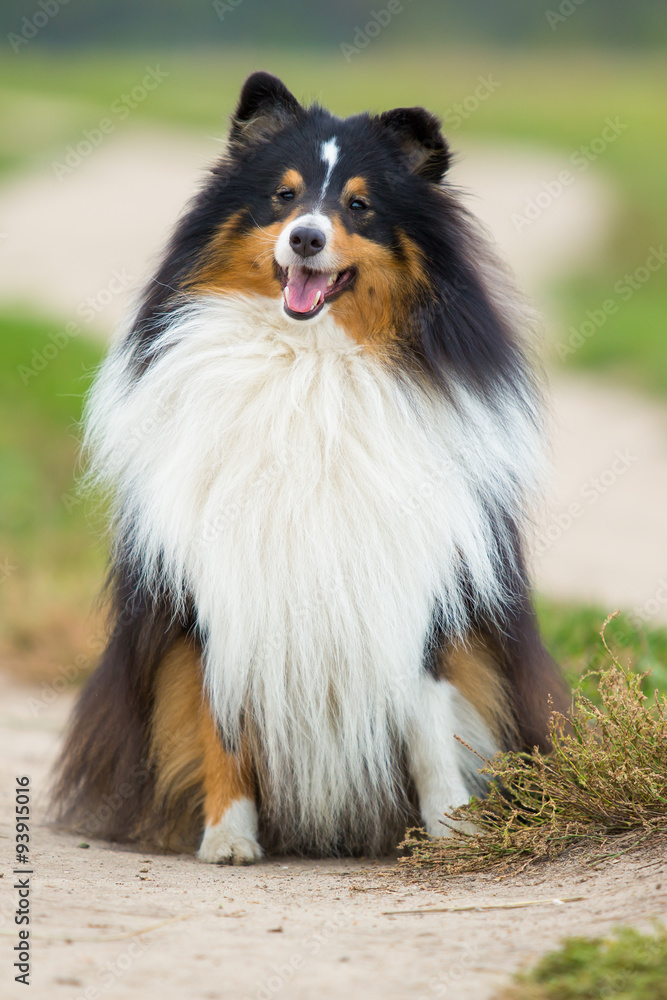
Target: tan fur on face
375,311
185,745
293,180
241,262
473,670
356,187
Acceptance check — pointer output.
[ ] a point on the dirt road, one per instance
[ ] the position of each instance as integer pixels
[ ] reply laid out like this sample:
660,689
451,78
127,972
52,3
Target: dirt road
110,924
64,238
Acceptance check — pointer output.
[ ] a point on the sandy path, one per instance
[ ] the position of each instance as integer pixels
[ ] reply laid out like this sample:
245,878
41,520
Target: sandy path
603,533
64,238
131,924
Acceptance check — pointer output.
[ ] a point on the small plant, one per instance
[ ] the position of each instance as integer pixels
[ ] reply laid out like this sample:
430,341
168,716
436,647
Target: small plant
604,783
627,966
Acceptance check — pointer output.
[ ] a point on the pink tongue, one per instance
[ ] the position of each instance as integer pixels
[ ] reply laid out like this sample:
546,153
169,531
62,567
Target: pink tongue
302,288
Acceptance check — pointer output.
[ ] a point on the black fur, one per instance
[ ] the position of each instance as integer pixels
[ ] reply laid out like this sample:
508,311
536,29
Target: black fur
105,777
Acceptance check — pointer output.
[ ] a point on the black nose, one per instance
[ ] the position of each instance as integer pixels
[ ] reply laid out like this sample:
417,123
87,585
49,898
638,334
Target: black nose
307,242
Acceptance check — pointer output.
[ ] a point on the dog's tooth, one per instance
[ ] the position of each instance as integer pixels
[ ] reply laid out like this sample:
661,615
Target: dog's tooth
332,278
318,298
286,295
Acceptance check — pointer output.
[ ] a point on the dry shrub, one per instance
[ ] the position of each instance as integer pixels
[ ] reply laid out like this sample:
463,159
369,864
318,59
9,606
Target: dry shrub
604,783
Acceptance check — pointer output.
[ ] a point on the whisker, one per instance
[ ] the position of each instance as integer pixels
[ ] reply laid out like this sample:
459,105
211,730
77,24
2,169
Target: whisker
261,228
165,285
264,255
263,239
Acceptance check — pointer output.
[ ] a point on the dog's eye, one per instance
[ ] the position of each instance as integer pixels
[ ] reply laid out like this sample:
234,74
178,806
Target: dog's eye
358,205
285,194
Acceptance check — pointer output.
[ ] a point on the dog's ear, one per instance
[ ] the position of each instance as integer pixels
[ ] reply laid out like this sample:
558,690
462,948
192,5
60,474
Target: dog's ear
265,106
418,133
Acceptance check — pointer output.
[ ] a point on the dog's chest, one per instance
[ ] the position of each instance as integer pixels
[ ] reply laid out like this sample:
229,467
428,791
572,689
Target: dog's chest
315,506
321,527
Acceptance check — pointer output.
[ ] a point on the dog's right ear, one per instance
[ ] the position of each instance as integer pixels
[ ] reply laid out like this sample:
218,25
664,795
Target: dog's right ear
418,133
265,106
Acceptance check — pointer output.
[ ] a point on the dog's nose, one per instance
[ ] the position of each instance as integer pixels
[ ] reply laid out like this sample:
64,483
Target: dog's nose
307,242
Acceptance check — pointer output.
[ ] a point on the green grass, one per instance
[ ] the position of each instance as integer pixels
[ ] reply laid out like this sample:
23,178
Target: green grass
626,966
558,100
53,557
572,634
630,345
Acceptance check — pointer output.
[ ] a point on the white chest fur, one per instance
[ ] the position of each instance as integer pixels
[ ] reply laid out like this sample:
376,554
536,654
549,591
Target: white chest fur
316,509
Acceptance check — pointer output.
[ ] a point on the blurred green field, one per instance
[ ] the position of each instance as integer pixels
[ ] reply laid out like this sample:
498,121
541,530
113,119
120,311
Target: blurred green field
556,99
52,556
626,965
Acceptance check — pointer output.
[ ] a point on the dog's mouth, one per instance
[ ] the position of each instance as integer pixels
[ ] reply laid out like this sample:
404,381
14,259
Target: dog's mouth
305,292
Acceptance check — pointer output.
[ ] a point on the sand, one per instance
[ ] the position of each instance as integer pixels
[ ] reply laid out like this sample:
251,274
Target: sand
130,924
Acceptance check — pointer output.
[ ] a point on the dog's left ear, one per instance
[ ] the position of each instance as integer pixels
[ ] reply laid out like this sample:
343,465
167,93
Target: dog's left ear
265,106
418,133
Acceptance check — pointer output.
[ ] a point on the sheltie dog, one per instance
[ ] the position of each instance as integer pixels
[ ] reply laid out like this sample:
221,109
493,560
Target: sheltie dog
322,440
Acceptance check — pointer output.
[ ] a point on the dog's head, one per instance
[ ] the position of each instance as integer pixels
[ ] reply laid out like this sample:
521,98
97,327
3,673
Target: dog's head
347,217
324,214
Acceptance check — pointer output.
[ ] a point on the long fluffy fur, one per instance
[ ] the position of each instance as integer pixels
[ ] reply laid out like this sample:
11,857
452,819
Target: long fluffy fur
315,556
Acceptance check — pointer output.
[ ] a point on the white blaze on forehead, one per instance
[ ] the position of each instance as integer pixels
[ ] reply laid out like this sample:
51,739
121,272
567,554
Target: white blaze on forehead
329,153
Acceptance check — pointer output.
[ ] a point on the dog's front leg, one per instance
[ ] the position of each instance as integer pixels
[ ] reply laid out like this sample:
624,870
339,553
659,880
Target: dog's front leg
230,834
189,759
433,758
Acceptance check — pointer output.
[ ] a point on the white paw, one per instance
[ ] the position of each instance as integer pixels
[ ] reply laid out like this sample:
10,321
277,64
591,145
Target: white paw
437,824
232,841
447,827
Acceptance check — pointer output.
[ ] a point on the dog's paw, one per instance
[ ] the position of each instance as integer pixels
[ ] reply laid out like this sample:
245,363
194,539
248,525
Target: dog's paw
232,841
437,824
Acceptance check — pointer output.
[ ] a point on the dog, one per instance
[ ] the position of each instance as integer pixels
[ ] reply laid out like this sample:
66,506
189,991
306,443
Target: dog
322,439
